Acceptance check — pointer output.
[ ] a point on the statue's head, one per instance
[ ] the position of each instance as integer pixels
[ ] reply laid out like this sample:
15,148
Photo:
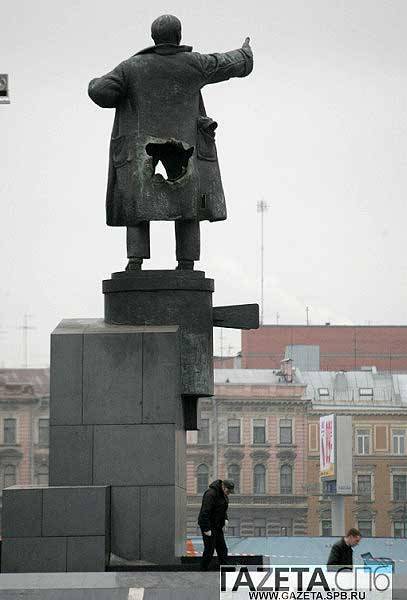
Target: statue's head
166,30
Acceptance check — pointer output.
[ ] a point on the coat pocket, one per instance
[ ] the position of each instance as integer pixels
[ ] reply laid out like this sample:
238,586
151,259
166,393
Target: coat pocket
121,151
206,147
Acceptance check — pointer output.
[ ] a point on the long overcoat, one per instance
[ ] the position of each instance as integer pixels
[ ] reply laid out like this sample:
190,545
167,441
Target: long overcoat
160,115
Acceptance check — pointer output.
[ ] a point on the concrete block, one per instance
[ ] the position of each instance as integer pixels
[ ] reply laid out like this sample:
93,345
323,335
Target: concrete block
112,382
87,554
70,455
33,555
21,512
180,459
163,518
66,379
74,511
134,455
197,363
162,298
125,523
162,378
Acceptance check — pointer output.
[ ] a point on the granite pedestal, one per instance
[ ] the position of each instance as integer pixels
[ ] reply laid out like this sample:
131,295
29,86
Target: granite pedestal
182,298
55,529
124,390
125,429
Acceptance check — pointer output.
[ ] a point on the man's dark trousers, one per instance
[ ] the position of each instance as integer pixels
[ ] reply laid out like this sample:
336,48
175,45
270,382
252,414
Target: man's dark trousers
213,542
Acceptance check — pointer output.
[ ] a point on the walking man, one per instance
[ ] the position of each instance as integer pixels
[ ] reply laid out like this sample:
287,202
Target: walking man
212,519
341,554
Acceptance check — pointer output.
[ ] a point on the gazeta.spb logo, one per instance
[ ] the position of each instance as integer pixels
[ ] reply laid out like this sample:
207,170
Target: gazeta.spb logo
305,582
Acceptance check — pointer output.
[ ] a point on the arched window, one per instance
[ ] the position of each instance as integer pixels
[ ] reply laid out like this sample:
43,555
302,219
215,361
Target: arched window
234,475
259,479
202,479
9,476
286,479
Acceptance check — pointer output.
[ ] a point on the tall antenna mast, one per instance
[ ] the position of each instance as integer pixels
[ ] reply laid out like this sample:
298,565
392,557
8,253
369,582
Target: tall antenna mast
25,328
262,206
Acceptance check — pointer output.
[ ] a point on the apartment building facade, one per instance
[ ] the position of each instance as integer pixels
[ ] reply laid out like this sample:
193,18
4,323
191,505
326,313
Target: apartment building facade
24,427
263,432
378,405
254,432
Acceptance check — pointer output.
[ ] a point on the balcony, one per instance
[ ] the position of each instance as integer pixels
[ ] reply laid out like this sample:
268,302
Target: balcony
271,501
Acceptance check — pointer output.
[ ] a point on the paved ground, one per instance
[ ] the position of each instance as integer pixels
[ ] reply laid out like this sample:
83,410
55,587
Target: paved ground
125,586
110,586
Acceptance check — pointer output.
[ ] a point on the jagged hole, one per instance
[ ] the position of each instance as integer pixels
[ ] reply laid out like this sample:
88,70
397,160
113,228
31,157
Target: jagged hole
169,159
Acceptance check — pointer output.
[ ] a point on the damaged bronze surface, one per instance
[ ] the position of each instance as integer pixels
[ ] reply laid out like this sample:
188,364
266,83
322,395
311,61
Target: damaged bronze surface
172,155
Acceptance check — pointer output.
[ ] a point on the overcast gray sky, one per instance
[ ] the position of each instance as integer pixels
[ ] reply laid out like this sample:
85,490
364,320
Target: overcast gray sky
318,130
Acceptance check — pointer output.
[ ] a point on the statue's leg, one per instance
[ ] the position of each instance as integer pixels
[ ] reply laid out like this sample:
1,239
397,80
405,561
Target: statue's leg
187,240
138,245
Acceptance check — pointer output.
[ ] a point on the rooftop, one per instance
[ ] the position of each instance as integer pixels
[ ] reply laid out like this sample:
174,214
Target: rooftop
37,378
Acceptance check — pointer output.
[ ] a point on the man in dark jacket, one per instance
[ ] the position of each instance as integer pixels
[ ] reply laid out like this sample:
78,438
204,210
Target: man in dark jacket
211,520
341,554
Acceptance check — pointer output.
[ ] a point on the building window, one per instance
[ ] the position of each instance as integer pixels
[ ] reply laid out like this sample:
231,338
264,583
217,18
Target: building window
234,475
41,476
233,431
202,479
398,437
286,431
259,479
286,479
259,431
233,528
259,529
286,528
43,432
364,484
203,431
400,529
9,476
365,527
10,431
400,488
363,441
313,437
326,528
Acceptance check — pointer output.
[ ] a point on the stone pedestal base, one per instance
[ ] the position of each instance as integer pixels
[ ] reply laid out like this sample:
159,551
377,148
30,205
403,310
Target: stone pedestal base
55,529
182,298
116,419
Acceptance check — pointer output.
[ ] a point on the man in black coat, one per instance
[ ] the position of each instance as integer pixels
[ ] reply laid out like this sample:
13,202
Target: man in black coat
341,555
212,519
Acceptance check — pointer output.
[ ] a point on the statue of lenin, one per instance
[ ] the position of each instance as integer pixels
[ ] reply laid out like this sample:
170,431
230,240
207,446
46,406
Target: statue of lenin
160,117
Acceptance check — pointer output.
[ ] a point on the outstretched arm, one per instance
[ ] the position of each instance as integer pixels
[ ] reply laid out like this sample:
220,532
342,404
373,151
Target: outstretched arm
108,90
236,63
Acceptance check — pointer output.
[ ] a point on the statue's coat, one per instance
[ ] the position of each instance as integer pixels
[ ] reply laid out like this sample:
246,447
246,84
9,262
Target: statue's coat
157,97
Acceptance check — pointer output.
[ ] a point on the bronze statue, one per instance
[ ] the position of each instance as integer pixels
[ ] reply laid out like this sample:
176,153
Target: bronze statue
160,117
